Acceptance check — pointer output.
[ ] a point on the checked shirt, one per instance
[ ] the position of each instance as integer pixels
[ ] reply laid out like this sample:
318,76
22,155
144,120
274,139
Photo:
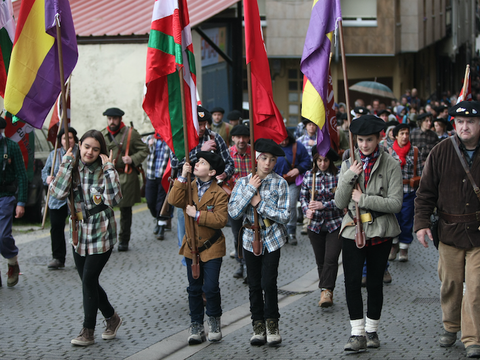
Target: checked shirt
98,233
243,163
407,170
425,141
157,159
273,205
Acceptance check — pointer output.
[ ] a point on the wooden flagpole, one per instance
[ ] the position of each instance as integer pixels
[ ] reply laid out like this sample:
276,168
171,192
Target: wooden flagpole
465,82
359,233
188,219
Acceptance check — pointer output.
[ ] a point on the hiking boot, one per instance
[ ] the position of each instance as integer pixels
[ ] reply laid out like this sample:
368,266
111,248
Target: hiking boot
12,274
372,340
239,273
85,338
56,264
292,239
156,229
387,277
447,339
473,351
259,334
403,257
326,298
161,232
393,252
273,334
112,326
196,334
214,329
356,343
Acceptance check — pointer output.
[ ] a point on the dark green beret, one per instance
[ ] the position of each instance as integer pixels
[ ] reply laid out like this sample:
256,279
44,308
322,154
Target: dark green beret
367,125
203,114
268,146
113,112
216,162
466,109
239,130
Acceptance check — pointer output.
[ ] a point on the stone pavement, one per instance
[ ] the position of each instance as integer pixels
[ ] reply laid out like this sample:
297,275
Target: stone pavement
147,287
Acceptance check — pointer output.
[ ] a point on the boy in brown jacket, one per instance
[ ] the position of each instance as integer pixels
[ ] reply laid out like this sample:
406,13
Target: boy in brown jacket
210,214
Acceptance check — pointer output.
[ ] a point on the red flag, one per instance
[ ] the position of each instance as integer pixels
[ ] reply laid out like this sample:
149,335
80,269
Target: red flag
267,120
332,115
466,92
165,178
57,117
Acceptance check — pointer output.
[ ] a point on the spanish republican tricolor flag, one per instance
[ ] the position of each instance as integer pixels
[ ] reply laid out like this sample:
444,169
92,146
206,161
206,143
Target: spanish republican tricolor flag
33,82
315,59
7,35
169,49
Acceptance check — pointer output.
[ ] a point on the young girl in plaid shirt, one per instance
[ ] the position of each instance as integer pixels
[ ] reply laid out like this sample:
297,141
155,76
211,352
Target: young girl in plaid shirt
325,218
96,190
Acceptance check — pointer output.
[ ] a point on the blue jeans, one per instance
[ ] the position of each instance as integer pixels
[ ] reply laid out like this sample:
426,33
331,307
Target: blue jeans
405,218
8,249
208,283
180,230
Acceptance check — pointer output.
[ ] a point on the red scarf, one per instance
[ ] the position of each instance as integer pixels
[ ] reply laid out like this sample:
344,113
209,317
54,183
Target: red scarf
122,125
402,152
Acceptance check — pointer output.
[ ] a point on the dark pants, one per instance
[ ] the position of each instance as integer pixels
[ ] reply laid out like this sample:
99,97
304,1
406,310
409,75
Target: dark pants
326,247
262,273
155,195
405,218
208,283
94,297
57,232
8,249
236,226
353,260
125,224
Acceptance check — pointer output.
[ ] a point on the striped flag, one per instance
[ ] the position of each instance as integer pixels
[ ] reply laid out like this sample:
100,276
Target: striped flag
169,49
33,82
315,59
7,35
57,114
466,92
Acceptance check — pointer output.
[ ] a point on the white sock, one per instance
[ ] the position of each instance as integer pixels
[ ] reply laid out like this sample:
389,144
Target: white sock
12,261
162,222
395,241
404,246
358,327
371,325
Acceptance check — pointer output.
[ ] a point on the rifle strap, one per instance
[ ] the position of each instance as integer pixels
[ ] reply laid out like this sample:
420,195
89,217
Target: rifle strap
465,167
120,145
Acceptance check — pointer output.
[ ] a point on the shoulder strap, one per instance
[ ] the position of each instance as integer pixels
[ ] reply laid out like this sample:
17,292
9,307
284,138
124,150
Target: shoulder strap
294,152
465,167
121,144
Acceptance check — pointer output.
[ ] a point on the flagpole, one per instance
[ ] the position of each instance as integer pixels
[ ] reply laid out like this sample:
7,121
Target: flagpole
465,82
359,233
189,220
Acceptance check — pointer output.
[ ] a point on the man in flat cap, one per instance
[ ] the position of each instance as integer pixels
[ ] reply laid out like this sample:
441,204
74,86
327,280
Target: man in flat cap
446,186
12,172
117,138
220,127
423,137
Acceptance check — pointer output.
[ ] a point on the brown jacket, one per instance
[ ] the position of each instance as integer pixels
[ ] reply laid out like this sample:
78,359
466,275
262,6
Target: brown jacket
445,185
213,215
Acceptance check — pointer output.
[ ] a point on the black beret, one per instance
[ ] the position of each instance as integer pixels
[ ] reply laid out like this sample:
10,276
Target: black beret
391,123
239,130
423,116
448,124
203,114
440,108
234,115
399,127
3,123
113,112
268,146
466,109
216,162
332,155
385,111
62,131
360,110
218,109
305,121
367,125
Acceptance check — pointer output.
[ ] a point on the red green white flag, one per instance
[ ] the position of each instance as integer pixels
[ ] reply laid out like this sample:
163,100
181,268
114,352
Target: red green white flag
169,49
7,35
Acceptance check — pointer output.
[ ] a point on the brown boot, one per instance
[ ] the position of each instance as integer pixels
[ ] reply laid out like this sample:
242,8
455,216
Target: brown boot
112,326
393,252
326,298
12,274
85,338
403,255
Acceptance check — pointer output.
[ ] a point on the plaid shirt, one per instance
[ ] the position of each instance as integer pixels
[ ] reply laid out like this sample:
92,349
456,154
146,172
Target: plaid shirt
273,205
304,140
243,163
425,141
222,150
54,203
407,170
325,185
157,159
202,188
14,170
98,233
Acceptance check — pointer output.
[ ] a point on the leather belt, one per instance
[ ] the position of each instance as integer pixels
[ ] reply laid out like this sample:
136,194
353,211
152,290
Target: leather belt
208,244
463,218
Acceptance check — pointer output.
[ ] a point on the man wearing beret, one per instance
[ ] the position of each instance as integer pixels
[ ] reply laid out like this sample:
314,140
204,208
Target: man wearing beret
423,137
12,172
446,186
234,118
220,127
117,139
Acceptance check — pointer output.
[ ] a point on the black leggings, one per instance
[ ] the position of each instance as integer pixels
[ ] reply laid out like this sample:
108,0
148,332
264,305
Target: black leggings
353,259
89,268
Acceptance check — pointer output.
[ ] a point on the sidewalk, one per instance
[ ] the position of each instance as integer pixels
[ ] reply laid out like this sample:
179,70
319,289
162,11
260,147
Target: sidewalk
147,287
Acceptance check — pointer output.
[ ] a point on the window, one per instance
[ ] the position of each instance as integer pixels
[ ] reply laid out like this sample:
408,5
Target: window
359,13
295,90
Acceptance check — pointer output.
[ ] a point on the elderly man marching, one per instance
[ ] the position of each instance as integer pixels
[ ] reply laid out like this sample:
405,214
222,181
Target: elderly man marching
448,183
128,149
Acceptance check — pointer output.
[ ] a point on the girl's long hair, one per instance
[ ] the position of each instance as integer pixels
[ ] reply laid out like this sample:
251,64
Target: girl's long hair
97,135
332,169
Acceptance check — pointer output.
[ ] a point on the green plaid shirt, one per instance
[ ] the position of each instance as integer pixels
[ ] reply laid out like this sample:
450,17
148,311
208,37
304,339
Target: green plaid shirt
14,170
98,233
